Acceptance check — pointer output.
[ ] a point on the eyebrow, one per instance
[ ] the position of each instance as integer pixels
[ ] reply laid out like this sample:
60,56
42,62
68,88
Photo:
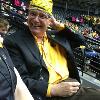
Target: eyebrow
35,6
37,10
31,10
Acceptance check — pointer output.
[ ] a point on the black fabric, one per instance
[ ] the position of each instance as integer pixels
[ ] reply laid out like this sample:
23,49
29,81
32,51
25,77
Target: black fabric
28,61
7,76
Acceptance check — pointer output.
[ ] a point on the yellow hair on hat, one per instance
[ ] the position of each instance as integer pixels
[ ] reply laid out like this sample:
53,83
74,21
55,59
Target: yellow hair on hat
45,5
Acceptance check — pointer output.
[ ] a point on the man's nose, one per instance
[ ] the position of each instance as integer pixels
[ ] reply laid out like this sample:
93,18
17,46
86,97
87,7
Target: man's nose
36,18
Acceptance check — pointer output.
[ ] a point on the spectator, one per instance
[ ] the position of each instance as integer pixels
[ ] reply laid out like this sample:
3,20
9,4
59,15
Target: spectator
45,59
11,84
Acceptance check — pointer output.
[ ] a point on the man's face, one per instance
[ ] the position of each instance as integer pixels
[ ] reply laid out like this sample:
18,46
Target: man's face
38,21
3,31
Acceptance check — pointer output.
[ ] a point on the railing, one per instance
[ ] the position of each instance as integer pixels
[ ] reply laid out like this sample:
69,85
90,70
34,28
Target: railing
88,59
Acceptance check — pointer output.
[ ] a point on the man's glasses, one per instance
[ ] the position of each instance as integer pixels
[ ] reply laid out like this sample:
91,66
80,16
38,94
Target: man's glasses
40,14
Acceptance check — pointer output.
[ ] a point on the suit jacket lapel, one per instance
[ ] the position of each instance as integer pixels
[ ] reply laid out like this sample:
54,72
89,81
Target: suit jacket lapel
32,46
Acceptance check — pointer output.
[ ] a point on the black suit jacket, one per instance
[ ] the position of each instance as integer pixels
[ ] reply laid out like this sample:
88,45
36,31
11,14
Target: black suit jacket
7,76
28,60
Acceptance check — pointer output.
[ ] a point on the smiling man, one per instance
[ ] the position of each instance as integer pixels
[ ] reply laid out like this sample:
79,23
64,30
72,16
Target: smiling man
38,22
45,58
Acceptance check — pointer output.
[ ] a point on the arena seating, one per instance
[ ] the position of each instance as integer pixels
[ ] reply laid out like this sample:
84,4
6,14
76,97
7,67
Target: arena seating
87,63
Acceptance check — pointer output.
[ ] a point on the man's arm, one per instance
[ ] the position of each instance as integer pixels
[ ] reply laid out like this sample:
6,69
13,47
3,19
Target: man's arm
76,39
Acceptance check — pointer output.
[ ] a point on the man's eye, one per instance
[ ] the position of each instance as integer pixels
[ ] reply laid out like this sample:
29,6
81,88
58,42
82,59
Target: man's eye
42,16
33,14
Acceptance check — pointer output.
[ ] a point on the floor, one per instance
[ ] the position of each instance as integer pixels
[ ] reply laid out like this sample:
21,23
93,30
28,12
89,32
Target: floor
89,81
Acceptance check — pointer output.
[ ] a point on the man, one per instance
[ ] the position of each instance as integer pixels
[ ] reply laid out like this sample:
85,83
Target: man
10,81
45,59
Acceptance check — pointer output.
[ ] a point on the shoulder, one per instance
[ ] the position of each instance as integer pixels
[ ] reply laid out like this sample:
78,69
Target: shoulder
19,33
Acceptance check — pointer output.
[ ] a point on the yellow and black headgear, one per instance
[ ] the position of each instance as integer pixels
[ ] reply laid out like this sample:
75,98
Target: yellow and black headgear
44,5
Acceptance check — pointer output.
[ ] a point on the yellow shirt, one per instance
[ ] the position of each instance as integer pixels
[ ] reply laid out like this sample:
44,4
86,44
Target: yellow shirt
55,61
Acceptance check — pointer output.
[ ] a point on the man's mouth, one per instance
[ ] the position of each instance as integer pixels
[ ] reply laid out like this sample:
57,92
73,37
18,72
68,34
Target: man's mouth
36,26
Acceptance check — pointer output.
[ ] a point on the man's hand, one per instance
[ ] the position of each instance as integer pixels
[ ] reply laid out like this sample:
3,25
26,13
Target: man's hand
65,89
55,24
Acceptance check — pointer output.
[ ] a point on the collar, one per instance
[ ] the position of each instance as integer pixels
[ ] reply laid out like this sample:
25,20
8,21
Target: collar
43,39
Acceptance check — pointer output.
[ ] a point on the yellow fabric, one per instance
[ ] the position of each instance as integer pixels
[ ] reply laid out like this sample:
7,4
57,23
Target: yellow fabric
60,26
1,42
49,90
94,33
45,5
82,46
1,46
55,61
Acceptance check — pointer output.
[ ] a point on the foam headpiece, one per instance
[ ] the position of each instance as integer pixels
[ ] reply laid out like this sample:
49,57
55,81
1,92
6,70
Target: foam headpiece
44,5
